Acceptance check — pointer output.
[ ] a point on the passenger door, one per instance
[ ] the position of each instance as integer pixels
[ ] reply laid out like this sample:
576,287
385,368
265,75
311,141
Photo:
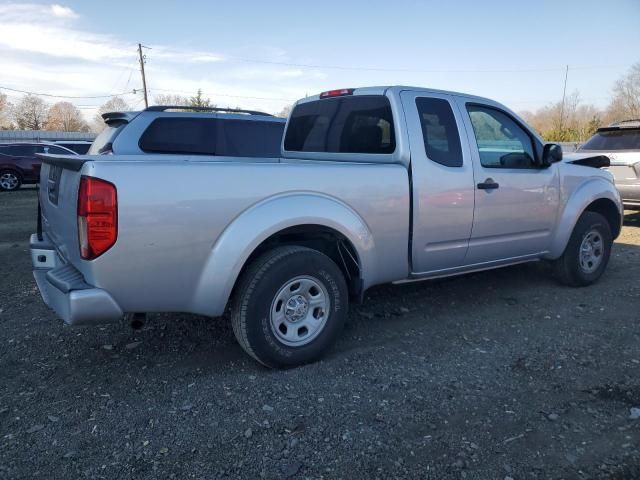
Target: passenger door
516,201
442,179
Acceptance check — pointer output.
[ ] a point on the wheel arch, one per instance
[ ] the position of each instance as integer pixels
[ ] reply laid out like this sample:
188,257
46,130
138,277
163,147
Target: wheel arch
308,219
596,195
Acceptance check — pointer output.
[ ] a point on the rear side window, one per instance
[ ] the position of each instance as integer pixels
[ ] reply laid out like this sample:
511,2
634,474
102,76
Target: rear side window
249,138
79,148
106,138
53,149
194,136
358,124
23,150
439,131
612,140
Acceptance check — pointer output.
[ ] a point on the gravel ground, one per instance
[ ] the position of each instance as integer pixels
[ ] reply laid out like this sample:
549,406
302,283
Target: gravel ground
495,375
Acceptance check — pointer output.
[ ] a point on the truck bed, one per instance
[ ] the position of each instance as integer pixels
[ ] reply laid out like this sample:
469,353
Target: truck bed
171,213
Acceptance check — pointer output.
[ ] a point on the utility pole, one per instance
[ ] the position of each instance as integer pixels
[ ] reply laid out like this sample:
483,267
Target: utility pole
144,79
564,94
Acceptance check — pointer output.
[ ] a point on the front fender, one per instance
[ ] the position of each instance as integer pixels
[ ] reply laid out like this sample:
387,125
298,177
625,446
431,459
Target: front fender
260,221
595,188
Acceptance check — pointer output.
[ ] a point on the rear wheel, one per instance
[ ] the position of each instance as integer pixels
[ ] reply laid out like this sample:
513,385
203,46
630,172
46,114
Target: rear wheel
587,254
10,180
290,306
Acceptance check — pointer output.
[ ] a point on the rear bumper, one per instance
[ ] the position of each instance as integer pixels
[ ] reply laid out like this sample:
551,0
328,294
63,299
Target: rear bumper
64,290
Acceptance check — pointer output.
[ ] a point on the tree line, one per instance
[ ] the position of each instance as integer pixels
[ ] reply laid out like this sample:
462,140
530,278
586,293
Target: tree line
576,121
571,121
33,113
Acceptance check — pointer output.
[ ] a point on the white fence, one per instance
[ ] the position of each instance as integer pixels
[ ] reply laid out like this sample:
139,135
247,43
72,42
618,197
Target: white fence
40,135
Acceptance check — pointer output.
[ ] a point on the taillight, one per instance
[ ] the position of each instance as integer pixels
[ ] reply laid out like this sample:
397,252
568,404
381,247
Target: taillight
97,217
337,93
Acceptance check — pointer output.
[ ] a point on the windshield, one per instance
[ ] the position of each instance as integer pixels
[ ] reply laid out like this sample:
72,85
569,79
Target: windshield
612,140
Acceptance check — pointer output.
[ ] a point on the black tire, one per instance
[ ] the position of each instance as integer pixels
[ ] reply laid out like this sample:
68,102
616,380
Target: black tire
256,297
7,186
568,268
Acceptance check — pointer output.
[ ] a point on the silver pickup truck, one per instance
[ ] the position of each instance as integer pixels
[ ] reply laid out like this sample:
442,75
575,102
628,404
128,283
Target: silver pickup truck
372,185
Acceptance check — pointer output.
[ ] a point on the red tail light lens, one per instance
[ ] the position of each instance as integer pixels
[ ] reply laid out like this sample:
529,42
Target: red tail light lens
97,217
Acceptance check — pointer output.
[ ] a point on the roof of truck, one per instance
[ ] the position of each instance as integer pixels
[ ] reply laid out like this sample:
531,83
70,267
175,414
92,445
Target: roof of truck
383,89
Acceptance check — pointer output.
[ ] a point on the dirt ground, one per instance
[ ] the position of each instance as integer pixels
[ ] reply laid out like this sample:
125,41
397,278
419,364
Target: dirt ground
497,375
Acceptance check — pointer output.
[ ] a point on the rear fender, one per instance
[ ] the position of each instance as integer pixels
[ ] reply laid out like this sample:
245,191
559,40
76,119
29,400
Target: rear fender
260,221
594,189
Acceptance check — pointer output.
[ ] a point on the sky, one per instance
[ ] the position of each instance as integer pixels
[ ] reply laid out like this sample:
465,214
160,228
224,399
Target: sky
266,54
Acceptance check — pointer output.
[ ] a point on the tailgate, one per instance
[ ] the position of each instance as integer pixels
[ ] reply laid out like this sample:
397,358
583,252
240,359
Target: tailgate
59,181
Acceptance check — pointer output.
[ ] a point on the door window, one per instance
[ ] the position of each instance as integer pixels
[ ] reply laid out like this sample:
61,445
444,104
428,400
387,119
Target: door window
502,143
439,131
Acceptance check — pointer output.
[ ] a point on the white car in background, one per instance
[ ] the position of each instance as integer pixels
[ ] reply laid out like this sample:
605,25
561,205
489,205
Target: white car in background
620,142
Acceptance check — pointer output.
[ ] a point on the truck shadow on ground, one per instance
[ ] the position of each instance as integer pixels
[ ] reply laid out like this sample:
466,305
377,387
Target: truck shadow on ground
388,313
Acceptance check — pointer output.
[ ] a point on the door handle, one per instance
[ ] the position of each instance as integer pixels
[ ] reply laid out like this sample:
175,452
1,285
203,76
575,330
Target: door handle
488,184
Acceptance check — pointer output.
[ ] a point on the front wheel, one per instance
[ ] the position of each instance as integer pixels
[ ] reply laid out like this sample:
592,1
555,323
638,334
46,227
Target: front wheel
290,306
587,254
10,180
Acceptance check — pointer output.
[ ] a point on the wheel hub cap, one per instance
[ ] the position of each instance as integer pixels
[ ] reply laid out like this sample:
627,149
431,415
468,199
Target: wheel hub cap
8,181
591,251
299,311
296,308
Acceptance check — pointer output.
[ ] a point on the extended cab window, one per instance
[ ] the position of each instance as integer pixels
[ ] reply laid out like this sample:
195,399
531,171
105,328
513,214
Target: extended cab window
439,131
350,124
195,136
502,143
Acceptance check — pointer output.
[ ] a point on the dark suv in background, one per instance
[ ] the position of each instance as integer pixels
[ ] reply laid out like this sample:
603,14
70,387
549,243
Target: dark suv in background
19,164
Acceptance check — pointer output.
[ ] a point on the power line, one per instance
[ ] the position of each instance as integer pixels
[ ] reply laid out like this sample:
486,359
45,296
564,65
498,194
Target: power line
411,70
184,92
64,96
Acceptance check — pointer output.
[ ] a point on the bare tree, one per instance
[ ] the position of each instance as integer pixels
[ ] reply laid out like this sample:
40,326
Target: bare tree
169,99
625,103
284,113
30,113
573,122
5,113
116,104
65,117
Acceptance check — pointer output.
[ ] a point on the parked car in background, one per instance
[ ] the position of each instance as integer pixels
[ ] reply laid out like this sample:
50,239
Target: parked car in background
19,164
177,130
372,185
79,146
621,143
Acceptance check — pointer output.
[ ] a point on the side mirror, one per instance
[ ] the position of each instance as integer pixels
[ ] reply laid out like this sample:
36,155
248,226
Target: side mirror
551,153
